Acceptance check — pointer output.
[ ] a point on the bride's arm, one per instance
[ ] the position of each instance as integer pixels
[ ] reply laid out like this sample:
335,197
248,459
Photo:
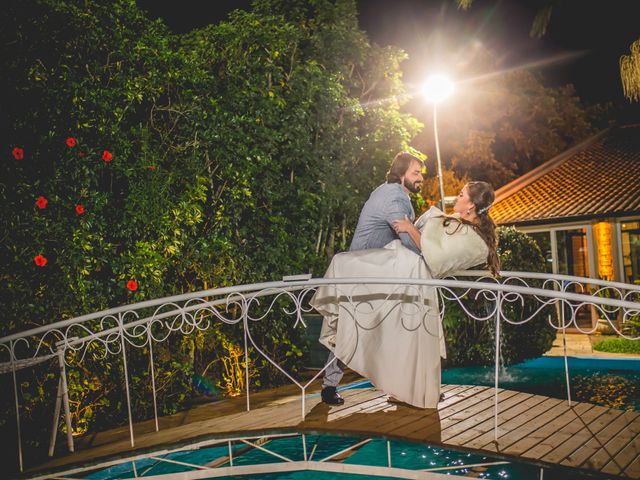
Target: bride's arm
406,226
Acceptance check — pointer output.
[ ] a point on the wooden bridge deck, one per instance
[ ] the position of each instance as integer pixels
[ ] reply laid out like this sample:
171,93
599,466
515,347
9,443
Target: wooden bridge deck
532,427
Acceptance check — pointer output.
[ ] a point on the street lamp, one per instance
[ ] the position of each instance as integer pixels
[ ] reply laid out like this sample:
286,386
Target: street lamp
436,89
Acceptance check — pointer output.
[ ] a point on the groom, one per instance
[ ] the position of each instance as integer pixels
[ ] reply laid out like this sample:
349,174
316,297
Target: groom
389,202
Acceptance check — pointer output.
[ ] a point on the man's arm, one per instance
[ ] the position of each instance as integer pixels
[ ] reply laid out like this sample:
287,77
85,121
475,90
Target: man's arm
407,226
398,209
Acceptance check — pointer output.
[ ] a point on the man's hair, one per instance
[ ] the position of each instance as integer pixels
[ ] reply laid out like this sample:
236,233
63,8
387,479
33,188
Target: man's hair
400,165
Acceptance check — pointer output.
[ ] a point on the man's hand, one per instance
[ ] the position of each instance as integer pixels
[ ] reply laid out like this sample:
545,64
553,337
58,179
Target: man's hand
406,226
403,226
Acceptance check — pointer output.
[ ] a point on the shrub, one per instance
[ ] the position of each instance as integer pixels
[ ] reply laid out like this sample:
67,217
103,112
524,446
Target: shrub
617,345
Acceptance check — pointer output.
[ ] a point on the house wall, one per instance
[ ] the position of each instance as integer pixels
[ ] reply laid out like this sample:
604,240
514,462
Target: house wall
606,248
609,254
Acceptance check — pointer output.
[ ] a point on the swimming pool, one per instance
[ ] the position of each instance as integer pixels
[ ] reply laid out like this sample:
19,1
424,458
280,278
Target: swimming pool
404,455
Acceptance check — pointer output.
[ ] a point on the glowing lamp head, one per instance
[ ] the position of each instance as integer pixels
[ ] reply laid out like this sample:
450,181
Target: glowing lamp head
437,88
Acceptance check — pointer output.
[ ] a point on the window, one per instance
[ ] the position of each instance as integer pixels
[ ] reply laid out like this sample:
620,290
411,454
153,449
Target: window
572,252
573,259
630,240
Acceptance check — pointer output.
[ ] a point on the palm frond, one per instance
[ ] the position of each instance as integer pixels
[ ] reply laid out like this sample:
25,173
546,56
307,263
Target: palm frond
464,4
630,72
541,22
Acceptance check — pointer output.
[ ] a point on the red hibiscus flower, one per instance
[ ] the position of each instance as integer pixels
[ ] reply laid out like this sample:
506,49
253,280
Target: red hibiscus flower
107,156
18,153
40,260
41,202
79,209
132,285
151,167
71,142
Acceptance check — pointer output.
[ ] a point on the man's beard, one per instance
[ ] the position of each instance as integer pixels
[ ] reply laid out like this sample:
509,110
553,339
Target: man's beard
412,187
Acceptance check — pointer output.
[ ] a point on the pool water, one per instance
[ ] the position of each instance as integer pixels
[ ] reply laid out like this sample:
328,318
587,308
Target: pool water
406,455
611,383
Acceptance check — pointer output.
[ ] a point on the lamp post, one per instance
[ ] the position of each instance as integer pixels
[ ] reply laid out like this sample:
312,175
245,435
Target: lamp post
436,89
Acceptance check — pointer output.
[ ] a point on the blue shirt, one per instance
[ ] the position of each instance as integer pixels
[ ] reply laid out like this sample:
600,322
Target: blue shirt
387,203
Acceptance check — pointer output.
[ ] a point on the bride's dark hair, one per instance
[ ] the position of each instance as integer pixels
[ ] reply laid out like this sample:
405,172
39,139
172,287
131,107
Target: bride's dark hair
482,196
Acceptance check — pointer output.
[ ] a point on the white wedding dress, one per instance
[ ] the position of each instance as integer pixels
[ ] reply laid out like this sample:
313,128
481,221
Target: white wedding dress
392,333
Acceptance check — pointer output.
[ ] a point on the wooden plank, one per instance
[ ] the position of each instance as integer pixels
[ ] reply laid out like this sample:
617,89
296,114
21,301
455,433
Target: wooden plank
321,414
545,432
367,421
633,469
582,436
514,406
381,416
418,428
482,420
564,434
623,461
465,400
598,451
512,419
334,417
528,424
398,414
401,415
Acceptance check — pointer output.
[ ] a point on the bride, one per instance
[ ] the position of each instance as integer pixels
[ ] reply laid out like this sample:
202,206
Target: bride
392,333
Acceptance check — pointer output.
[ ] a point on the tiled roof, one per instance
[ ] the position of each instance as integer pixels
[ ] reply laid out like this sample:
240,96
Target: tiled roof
598,178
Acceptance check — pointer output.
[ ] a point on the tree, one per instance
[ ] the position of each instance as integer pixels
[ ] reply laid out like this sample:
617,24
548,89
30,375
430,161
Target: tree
242,151
506,126
431,188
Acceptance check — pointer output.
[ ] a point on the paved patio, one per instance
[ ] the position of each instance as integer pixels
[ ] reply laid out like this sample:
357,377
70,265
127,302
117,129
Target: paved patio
581,345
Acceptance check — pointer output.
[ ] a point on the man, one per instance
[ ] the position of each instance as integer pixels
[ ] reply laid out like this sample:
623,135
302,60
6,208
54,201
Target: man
389,202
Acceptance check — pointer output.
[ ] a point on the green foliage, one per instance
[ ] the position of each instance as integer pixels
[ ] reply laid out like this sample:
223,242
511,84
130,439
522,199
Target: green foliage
241,152
472,342
617,345
631,326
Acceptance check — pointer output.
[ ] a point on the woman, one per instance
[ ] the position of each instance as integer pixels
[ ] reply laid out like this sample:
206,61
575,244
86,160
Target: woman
392,334
471,208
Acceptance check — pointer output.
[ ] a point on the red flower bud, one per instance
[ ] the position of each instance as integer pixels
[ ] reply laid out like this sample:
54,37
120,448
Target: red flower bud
71,142
18,153
41,202
81,154
40,260
151,167
132,285
79,209
107,156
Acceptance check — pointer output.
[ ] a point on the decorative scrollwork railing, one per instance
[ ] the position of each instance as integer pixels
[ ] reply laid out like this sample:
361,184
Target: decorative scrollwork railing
151,322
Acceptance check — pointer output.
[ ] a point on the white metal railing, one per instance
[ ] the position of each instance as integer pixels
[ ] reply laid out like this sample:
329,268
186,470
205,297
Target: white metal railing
146,323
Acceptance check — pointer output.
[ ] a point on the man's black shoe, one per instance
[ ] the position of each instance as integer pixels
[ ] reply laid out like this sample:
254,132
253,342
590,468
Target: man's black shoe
441,399
331,397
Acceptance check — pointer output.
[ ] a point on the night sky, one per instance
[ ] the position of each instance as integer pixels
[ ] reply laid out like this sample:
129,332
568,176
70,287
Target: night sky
582,45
